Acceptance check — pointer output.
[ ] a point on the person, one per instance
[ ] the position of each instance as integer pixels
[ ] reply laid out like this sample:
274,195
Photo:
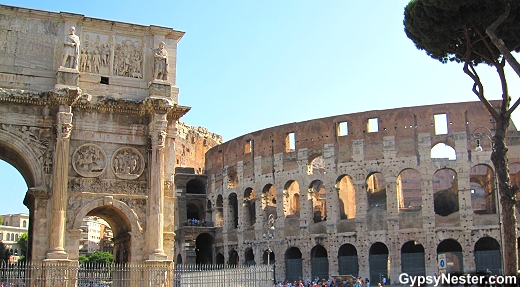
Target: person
71,50
384,281
161,63
367,282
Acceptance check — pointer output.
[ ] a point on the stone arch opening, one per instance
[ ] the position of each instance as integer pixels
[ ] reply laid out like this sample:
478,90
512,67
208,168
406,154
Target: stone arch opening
347,197
269,200
292,199
293,264
195,186
453,251
178,261
376,191
316,165
378,262
482,188
271,259
409,190
31,166
249,257
249,207
219,216
488,256
445,192
220,259
319,262
233,257
204,248
443,151
121,228
412,259
348,260
319,200
233,209
15,191
195,210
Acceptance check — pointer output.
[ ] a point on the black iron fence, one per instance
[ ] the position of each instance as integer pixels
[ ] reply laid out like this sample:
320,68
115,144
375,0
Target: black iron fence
156,274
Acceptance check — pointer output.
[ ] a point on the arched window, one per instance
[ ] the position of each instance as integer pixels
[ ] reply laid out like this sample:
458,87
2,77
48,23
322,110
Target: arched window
292,199
482,186
445,192
376,191
444,151
319,201
24,224
409,190
347,197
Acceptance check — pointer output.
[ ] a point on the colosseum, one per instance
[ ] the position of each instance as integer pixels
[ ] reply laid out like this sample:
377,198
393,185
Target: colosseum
95,130
372,194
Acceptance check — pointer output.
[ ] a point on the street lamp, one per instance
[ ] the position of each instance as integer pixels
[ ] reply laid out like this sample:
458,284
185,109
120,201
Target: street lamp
487,133
269,236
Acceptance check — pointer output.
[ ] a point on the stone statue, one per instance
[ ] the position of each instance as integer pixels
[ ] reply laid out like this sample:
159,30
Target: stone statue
161,63
71,50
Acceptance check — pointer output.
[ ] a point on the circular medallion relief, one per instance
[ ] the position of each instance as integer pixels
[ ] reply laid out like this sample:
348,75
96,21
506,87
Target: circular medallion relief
89,160
127,163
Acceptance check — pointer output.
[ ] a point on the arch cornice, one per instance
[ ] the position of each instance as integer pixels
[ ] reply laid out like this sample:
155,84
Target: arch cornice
75,98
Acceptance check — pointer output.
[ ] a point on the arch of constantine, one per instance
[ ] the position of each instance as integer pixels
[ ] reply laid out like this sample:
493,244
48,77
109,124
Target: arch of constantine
90,118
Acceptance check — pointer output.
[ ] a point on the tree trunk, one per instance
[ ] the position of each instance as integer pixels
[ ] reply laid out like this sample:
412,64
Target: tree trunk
507,197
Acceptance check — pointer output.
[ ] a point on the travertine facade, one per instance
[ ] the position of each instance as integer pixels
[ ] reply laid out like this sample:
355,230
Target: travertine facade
357,194
90,118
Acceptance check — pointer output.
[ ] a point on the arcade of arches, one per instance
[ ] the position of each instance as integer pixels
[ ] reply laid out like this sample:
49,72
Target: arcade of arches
109,143
373,204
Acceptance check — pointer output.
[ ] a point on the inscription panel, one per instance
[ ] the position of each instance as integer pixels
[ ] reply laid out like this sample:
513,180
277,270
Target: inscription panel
30,42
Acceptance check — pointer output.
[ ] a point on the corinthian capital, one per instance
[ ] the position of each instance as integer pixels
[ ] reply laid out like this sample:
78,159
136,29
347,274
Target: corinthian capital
159,138
64,124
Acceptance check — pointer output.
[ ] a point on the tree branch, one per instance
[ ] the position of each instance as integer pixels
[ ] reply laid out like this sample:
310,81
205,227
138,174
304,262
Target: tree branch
478,88
501,46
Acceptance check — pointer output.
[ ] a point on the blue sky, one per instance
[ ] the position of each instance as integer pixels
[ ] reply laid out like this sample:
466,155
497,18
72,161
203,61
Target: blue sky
248,65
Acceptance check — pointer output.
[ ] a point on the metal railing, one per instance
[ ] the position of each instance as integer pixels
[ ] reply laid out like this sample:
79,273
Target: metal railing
156,274
224,275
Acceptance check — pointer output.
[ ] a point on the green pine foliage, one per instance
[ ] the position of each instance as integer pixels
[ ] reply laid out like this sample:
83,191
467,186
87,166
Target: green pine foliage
442,28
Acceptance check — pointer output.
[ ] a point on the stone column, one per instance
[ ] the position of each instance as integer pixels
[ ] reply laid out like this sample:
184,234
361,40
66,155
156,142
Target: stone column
155,237
59,183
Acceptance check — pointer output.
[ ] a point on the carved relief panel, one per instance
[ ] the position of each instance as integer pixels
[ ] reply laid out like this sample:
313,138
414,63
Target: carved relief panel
37,138
127,163
89,160
94,56
128,57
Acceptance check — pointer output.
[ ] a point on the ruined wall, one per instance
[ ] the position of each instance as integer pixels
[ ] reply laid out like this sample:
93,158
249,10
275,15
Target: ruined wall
192,144
364,167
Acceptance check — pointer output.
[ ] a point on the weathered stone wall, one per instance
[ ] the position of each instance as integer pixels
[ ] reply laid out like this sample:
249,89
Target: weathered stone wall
192,145
404,140
91,121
